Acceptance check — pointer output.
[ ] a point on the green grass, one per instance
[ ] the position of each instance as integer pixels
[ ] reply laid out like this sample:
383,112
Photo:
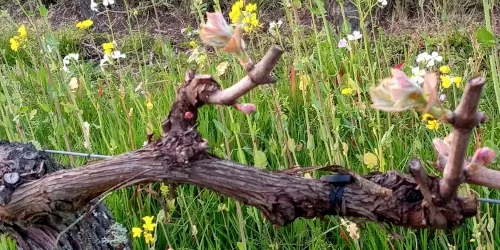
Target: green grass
314,126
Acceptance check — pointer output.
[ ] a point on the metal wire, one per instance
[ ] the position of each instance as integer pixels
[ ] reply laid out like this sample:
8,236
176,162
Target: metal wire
485,200
77,154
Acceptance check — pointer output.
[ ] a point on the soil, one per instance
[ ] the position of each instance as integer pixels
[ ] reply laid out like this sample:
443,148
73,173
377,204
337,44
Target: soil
168,22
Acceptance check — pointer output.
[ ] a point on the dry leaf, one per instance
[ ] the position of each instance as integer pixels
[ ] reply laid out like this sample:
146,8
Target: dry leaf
73,83
370,160
221,68
345,148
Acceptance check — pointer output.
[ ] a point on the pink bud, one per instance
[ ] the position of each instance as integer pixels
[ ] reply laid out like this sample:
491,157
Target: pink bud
188,115
247,108
484,156
441,147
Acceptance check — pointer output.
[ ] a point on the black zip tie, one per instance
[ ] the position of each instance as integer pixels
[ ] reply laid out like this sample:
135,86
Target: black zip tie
336,196
338,181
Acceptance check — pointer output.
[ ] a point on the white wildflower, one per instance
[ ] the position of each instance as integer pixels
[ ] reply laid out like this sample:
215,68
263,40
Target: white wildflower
418,75
351,227
442,97
383,2
104,61
272,25
74,56
275,25
429,59
93,6
67,60
117,54
434,57
423,57
108,2
356,35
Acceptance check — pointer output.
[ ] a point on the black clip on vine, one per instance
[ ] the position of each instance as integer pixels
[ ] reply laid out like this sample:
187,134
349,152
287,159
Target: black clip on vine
338,181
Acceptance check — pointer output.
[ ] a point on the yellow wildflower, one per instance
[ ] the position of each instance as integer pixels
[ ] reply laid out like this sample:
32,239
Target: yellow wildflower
136,232
192,44
445,69
248,16
433,124
458,81
15,44
251,7
235,13
427,117
347,91
149,105
238,4
445,81
148,224
200,60
222,207
22,31
250,21
254,21
84,24
148,237
18,41
304,81
108,48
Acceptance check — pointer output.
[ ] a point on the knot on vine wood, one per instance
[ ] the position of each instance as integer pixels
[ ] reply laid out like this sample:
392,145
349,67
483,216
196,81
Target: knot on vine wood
34,215
20,163
410,197
183,146
192,95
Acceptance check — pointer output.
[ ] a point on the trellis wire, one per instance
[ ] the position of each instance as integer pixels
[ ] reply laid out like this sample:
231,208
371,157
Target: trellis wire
486,200
77,154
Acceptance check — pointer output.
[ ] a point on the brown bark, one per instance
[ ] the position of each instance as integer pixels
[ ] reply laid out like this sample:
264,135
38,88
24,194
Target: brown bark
180,156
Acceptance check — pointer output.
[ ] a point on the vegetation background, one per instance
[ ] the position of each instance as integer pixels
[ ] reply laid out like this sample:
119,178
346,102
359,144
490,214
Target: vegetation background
318,112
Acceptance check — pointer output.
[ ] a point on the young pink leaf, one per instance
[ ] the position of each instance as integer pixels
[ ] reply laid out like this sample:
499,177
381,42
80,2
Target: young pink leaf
441,147
397,93
216,32
430,90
